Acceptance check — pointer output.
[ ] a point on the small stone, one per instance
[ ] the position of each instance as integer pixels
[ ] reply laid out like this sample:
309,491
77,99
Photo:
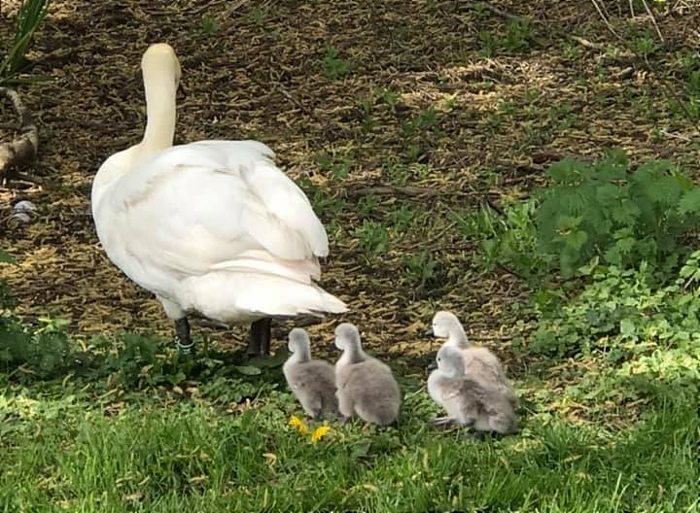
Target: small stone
20,218
24,206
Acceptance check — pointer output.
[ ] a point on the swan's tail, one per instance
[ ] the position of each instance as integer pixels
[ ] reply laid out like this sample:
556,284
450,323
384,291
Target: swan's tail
231,296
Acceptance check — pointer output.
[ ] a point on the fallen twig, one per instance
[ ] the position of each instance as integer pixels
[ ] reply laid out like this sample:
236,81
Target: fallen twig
605,20
653,20
670,92
588,44
409,190
503,13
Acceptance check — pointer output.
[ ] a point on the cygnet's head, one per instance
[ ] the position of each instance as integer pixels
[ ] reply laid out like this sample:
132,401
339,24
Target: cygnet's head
160,61
347,335
299,341
445,324
449,361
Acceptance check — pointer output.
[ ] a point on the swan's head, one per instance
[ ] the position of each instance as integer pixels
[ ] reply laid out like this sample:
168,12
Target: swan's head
449,361
445,325
347,336
159,60
299,341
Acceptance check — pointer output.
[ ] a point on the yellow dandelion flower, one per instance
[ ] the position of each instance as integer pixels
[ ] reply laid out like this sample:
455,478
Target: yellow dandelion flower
299,425
319,433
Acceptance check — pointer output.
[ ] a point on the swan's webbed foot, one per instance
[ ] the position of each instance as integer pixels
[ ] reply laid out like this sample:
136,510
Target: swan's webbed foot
442,422
259,339
185,345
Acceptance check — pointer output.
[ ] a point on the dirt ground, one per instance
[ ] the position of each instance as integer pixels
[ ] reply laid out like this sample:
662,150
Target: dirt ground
260,73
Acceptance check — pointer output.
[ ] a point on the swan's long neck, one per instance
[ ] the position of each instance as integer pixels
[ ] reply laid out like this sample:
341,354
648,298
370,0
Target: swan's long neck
301,355
353,353
161,114
453,368
458,338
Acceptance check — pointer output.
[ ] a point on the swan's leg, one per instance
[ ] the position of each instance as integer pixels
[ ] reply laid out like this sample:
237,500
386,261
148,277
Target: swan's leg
182,331
266,336
259,340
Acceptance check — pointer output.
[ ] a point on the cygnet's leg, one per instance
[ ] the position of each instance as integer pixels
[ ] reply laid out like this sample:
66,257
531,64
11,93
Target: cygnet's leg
185,345
483,435
503,423
346,406
259,339
312,406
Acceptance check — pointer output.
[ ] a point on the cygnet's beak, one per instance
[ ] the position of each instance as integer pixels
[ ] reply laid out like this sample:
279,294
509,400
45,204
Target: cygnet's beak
430,332
432,366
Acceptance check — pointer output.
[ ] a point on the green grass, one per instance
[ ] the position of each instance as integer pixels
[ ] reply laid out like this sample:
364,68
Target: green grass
30,15
61,452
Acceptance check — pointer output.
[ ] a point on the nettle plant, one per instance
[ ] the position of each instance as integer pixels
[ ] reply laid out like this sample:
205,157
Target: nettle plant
625,217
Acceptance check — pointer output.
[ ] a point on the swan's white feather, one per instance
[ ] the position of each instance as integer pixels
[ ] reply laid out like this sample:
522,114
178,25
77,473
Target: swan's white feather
213,227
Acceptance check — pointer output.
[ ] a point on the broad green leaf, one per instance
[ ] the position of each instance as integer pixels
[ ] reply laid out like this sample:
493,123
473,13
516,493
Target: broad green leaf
577,239
248,370
627,328
690,202
271,362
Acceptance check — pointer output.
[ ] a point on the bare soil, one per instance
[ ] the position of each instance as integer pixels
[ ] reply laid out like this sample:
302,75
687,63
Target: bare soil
261,75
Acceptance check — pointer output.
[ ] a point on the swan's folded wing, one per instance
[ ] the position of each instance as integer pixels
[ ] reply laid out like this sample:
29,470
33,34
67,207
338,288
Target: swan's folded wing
209,204
451,389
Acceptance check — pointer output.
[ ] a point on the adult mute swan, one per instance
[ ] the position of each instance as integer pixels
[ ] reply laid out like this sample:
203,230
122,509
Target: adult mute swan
212,228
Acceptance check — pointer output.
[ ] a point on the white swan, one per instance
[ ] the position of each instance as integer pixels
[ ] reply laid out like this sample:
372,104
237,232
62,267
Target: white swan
212,228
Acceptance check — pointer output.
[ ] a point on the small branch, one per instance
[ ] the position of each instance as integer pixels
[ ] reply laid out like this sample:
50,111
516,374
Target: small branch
665,132
439,235
653,20
25,177
22,151
198,10
510,271
389,190
276,86
605,20
493,206
587,43
503,13
206,7
623,73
